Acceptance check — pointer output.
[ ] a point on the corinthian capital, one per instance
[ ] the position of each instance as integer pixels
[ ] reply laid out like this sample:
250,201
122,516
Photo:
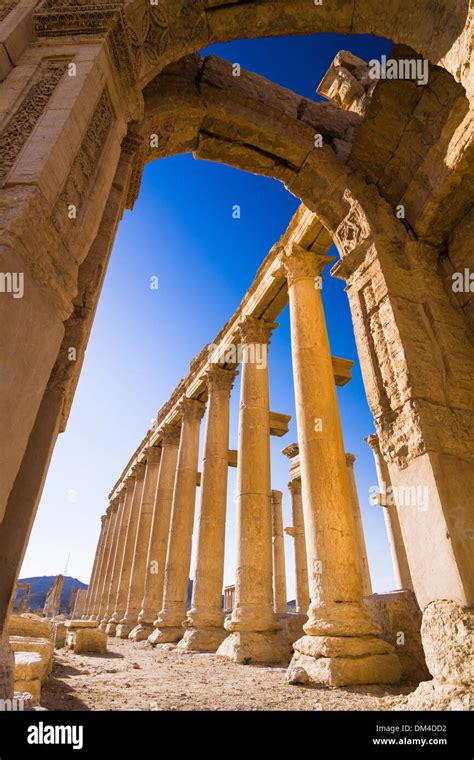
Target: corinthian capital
220,379
252,330
191,409
300,264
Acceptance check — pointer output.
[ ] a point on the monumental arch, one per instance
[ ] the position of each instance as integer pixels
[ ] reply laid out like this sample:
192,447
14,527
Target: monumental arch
85,85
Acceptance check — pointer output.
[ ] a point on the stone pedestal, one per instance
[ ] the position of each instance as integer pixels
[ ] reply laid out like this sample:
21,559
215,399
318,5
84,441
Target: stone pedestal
169,625
205,621
342,645
152,601
253,626
138,572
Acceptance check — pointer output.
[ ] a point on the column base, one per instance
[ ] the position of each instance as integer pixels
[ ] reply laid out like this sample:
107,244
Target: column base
166,635
111,628
342,661
202,639
252,647
141,632
7,670
123,630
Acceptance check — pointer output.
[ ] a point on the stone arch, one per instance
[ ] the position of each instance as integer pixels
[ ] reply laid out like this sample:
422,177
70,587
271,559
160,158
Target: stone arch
415,406
440,30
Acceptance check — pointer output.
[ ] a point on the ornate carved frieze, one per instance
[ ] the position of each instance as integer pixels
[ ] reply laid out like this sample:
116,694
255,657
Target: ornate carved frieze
354,229
5,7
23,121
58,18
84,166
150,36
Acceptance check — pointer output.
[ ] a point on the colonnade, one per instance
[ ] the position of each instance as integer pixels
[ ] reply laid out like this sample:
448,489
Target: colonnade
139,585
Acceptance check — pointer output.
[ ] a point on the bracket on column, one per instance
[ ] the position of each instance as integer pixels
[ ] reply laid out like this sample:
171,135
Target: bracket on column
279,424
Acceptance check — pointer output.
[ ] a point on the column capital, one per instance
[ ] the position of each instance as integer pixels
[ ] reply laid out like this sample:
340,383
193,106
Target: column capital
139,469
291,451
373,441
253,330
300,264
170,434
114,503
220,379
191,409
295,485
350,458
153,454
277,497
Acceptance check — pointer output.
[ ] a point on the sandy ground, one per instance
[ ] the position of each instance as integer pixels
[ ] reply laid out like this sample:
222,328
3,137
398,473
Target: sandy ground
134,676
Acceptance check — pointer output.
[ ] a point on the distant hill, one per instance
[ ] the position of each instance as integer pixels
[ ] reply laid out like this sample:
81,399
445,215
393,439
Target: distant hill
40,587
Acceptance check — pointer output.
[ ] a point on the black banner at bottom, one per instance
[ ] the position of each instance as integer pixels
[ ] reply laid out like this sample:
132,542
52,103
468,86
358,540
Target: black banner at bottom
375,734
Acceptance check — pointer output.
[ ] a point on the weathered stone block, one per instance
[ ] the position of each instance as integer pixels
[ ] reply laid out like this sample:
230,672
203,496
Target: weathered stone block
43,647
398,615
29,625
84,636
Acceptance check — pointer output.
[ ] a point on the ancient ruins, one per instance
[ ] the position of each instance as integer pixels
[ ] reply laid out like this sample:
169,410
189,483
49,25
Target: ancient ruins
90,93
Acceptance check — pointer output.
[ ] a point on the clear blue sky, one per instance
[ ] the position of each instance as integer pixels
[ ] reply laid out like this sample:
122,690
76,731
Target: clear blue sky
182,231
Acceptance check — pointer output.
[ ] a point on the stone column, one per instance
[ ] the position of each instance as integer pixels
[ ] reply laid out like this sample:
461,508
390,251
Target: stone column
178,559
205,622
158,543
95,568
278,544
129,546
297,533
97,601
342,645
359,528
126,498
398,553
138,571
109,559
253,626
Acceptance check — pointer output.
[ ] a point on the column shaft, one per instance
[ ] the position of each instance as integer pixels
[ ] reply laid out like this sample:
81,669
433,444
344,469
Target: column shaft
95,569
205,621
131,524
152,600
301,565
178,559
398,553
97,598
278,544
138,571
253,624
338,623
359,528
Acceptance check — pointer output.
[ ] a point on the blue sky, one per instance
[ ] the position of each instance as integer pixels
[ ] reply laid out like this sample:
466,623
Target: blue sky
183,232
